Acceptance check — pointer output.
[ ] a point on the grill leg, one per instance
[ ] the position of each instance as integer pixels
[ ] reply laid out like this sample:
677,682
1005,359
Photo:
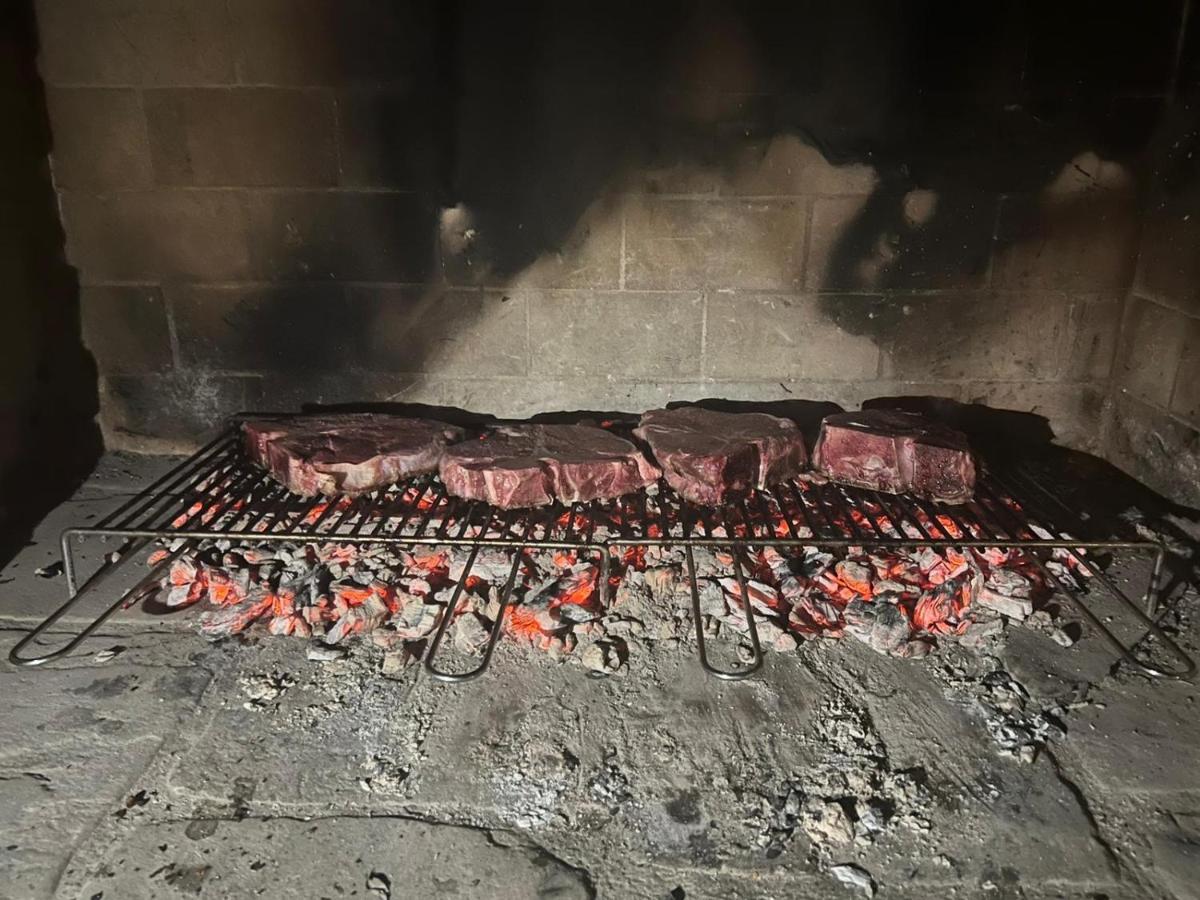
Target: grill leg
1187,666
701,648
15,655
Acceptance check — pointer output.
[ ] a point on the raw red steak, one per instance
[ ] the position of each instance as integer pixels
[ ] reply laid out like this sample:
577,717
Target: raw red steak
707,455
894,451
532,465
346,453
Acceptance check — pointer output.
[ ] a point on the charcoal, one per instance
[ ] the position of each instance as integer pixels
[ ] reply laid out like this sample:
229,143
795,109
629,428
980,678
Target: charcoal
896,452
707,456
534,465
347,453
880,626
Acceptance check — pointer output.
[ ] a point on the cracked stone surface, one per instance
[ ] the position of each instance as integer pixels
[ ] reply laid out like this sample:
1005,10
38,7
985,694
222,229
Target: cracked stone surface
152,763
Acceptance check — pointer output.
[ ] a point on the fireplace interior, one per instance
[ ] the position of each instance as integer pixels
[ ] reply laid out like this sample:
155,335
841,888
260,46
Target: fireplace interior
605,450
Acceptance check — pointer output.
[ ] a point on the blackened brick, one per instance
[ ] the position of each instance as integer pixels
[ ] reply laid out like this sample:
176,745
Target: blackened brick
386,139
329,42
1169,265
974,336
147,236
242,136
276,329
448,333
1152,342
125,328
1085,242
102,42
915,241
152,412
99,138
350,235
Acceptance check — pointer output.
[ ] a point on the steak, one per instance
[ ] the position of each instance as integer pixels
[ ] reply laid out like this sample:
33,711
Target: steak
345,453
707,455
533,465
893,451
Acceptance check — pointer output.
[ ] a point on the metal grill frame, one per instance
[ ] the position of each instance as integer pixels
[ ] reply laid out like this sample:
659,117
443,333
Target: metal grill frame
243,498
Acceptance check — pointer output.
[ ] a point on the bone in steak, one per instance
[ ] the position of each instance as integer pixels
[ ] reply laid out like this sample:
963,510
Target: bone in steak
706,455
346,453
894,451
532,465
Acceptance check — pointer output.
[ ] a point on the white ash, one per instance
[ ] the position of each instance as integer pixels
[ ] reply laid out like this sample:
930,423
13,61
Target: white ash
850,796
1015,723
262,689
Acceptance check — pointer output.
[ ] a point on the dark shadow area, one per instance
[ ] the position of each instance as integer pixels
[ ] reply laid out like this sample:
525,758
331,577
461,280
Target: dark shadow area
48,396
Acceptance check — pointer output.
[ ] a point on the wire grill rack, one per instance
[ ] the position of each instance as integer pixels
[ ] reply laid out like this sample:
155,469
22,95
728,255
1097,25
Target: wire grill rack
217,493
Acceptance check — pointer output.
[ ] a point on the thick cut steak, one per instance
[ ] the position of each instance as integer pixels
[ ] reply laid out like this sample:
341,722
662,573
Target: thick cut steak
346,453
532,465
707,455
894,451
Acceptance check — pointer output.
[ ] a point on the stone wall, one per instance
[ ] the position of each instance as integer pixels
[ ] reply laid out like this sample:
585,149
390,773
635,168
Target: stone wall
514,210
1152,420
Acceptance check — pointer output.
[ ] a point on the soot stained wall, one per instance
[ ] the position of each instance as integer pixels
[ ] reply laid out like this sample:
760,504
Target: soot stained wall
522,207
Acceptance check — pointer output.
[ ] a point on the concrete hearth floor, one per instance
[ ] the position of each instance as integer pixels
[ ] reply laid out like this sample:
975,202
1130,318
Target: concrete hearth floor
155,764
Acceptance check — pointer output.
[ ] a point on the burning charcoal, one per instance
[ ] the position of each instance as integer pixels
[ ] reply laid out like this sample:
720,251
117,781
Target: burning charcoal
416,619
1007,593
764,599
365,616
601,656
880,626
229,620
854,575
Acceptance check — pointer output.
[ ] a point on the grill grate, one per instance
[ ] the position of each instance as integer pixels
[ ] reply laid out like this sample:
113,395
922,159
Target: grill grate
218,493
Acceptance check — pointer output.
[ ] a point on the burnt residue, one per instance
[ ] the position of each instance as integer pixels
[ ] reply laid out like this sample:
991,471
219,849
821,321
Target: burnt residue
48,439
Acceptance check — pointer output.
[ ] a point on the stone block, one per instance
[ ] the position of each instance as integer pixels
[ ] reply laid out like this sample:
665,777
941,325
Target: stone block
387,137
682,244
176,412
99,138
1067,240
167,234
442,332
125,329
1186,399
348,235
1094,327
321,859
331,42
626,335
973,336
787,337
124,42
1152,342
293,392
1169,266
1155,448
914,241
242,136
785,165
532,242
266,329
